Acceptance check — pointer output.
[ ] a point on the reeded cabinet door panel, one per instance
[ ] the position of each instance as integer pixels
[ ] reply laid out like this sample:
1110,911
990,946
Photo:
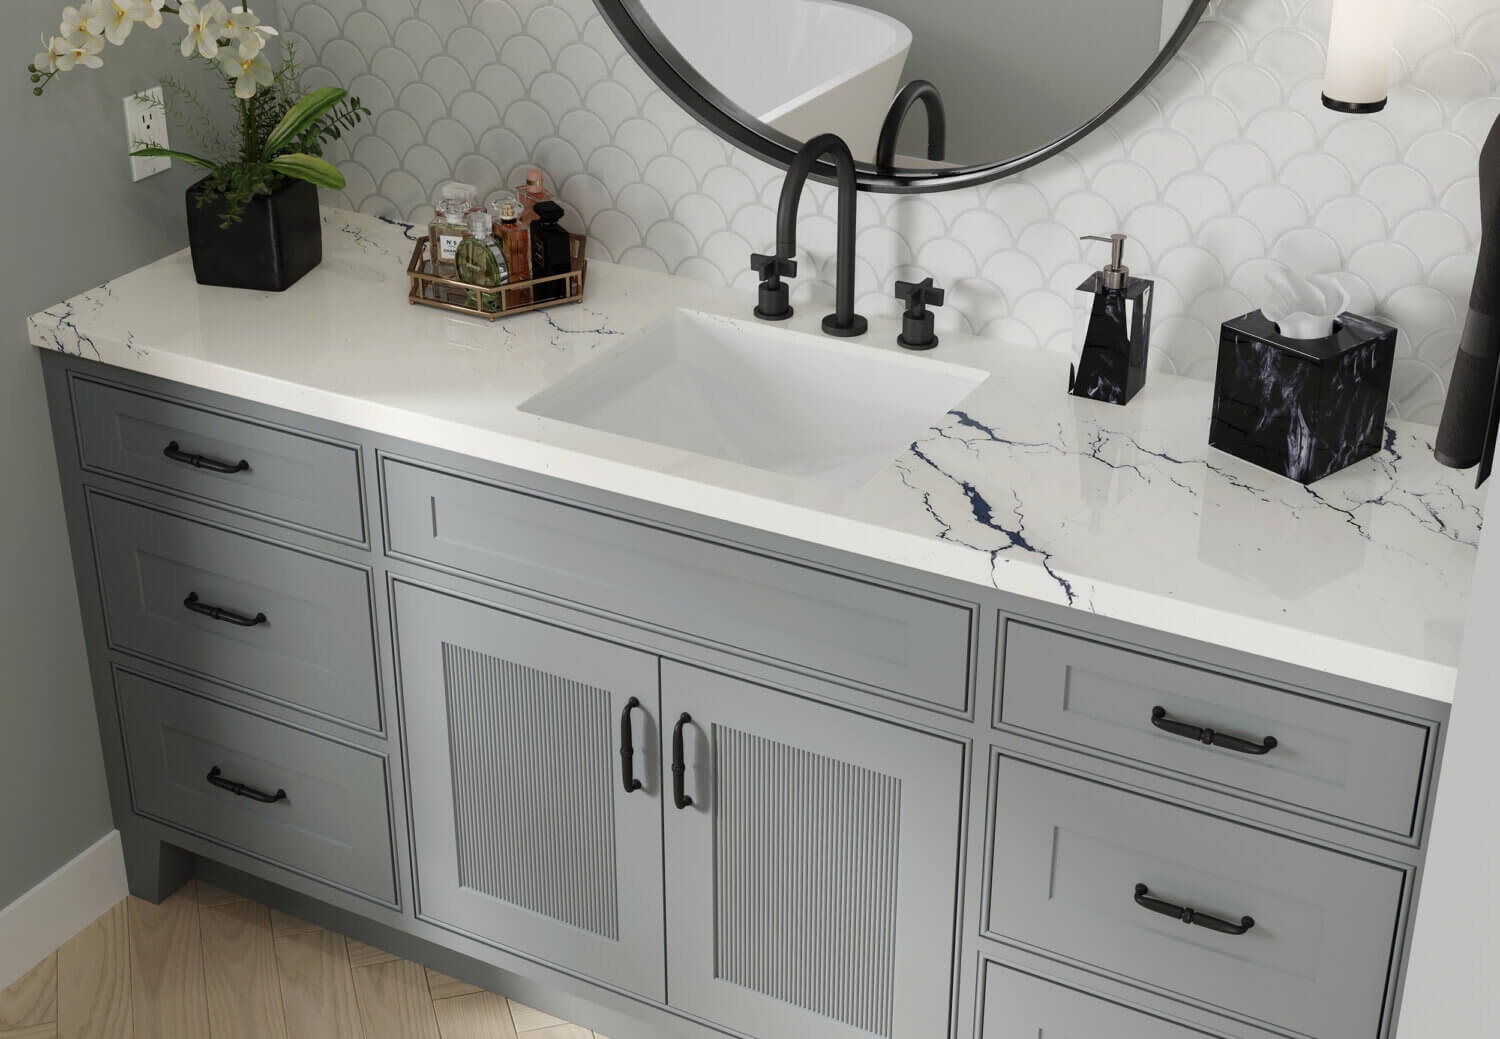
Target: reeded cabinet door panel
526,837
811,883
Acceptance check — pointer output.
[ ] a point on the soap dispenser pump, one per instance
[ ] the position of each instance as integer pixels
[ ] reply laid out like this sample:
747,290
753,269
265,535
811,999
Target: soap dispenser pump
1114,330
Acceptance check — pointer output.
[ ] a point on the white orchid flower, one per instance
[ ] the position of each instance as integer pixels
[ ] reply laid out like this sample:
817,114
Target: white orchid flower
245,26
148,12
46,61
81,49
119,18
88,19
249,74
205,27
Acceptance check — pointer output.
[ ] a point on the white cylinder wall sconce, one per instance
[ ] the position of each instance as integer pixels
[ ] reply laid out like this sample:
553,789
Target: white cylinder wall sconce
1360,42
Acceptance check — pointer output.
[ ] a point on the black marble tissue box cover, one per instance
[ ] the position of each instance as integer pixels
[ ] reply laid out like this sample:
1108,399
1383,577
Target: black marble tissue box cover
1303,408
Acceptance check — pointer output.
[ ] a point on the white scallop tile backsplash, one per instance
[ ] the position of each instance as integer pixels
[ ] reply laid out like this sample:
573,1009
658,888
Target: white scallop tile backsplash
1226,163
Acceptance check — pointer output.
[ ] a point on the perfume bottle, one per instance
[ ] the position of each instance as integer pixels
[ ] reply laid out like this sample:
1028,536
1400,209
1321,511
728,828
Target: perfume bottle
530,194
481,263
450,225
515,244
1113,331
551,251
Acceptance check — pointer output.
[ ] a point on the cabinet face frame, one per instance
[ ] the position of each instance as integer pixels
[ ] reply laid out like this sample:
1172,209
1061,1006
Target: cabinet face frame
446,807
929,776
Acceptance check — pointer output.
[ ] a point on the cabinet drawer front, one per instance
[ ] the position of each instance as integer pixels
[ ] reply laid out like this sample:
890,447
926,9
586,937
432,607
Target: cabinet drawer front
315,648
1341,761
909,645
1020,1006
290,477
333,823
1069,853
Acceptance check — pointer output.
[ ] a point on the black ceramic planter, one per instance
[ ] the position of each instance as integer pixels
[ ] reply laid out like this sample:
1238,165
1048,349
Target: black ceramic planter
279,239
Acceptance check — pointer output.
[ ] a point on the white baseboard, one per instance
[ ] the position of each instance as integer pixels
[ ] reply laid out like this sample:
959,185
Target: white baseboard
60,906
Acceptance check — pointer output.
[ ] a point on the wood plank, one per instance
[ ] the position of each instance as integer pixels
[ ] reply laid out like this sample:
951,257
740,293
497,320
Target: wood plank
530,1020
239,967
317,986
283,924
362,955
562,1031
478,1015
93,980
168,993
443,987
208,895
32,998
394,1002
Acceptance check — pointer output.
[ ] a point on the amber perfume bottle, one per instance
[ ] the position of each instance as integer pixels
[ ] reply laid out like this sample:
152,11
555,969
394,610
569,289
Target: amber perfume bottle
515,243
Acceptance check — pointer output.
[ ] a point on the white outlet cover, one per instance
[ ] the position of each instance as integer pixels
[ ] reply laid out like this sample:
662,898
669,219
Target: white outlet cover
146,124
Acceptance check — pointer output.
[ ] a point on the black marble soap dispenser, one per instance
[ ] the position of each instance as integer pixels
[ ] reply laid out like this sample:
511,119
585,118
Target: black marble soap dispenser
1115,333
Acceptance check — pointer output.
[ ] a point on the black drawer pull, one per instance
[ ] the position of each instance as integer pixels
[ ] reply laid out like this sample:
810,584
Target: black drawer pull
219,613
213,465
627,747
241,790
1188,916
1209,737
679,770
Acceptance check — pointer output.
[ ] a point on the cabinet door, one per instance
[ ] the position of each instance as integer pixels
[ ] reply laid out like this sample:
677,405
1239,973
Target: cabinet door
525,834
811,884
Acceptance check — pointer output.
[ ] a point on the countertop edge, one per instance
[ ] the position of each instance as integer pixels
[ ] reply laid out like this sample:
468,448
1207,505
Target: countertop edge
1398,672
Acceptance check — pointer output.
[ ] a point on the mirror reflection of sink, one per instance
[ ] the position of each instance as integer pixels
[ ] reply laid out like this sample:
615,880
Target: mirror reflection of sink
832,412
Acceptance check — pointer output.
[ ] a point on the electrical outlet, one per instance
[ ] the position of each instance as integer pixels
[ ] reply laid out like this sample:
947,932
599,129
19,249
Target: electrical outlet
146,127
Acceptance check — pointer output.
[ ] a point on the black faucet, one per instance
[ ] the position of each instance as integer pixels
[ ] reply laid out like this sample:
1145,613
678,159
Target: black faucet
937,123
773,306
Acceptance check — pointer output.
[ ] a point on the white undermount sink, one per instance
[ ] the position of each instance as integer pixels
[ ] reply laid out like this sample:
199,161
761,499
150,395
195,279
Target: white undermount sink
822,409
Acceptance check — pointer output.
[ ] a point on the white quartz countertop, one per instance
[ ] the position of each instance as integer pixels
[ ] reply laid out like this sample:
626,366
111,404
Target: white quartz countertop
1122,512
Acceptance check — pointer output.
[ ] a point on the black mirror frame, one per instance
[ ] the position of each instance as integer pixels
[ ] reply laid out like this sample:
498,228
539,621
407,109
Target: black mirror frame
664,64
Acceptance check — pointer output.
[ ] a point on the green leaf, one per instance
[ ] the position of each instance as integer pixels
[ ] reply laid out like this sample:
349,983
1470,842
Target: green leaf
168,153
311,169
301,116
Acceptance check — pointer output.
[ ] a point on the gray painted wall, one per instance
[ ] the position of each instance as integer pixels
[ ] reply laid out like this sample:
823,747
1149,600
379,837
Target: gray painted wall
75,220
1455,952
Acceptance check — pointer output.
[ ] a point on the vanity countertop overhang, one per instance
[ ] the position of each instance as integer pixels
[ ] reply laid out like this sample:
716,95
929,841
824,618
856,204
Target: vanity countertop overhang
1123,512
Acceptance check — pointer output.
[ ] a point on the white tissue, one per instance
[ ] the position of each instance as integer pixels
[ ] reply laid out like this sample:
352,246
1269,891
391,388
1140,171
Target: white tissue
1303,308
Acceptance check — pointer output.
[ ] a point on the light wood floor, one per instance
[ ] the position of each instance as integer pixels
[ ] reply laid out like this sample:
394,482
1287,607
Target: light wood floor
206,964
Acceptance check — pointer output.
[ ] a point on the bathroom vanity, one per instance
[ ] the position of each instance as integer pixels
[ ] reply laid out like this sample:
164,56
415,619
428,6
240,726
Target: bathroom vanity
1055,720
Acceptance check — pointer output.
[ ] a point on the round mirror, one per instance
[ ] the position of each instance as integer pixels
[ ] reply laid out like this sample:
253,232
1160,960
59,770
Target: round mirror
929,96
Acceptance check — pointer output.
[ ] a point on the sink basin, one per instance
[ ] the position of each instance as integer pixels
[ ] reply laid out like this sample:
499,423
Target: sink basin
832,412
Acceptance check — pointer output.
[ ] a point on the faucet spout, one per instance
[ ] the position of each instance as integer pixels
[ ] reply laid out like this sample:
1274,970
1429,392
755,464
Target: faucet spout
937,123
843,321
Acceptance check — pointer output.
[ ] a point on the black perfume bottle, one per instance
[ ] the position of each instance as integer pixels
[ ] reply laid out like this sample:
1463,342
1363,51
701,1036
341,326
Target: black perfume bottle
1116,332
551,251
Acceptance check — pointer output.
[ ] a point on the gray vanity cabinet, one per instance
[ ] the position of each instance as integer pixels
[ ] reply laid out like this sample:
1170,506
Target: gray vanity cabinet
807,883
811,880
525,834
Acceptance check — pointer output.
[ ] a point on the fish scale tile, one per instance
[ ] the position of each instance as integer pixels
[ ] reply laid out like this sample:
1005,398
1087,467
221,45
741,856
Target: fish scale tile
1225,163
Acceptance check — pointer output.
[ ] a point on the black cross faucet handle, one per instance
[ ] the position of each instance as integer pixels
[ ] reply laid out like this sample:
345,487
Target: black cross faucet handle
772,268
918,295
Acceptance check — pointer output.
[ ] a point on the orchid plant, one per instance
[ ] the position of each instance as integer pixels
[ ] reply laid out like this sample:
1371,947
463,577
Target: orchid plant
281,129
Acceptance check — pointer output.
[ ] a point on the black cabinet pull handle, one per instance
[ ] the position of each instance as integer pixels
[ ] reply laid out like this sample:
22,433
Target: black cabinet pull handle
1209,737
213,465
241,790
219,613
1188,916
679,770
627,747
